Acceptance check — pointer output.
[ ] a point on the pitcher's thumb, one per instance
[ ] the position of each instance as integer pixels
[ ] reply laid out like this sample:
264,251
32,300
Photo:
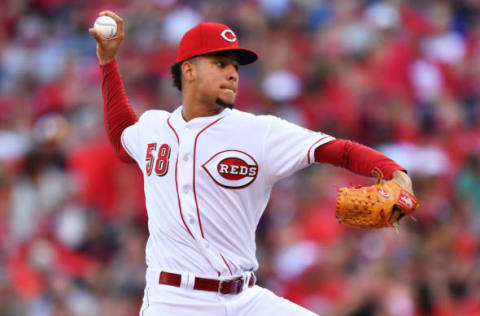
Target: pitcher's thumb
96,35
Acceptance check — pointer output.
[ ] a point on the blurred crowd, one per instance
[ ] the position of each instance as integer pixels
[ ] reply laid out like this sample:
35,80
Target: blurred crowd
402,76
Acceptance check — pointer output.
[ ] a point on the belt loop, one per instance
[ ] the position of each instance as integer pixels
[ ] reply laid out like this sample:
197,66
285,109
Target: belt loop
191,280
185,280
246,278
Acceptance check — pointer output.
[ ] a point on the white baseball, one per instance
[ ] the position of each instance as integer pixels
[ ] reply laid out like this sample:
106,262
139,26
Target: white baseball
106,26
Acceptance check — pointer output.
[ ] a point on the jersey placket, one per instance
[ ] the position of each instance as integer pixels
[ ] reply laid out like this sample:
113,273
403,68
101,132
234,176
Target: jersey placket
185,178
186,152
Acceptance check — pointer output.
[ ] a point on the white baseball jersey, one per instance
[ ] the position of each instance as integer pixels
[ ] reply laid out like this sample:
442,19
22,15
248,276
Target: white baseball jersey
207,182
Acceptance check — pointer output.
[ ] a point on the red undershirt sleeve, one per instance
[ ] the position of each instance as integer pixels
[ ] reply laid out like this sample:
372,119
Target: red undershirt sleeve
118,114
355,157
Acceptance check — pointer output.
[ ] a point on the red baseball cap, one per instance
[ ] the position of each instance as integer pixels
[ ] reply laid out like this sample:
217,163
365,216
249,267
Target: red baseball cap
211,37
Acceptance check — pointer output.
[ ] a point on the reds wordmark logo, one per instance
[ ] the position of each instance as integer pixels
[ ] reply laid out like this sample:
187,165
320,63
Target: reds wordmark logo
233,169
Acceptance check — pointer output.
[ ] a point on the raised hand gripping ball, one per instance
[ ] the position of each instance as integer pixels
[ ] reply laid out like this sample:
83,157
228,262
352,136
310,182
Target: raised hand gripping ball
106,26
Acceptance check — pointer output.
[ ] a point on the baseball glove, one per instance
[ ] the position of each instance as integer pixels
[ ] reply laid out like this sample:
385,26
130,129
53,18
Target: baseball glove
377,206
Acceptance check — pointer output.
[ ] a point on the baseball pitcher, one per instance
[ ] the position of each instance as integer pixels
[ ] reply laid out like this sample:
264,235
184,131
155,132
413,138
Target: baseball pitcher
208,171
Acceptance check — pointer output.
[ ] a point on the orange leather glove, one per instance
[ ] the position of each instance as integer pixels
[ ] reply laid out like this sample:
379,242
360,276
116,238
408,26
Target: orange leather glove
377,206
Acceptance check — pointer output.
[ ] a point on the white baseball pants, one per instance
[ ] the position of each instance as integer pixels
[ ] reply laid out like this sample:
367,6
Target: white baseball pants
169,300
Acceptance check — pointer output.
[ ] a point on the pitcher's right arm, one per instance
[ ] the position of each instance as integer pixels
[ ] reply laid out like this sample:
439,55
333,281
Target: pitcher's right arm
118,113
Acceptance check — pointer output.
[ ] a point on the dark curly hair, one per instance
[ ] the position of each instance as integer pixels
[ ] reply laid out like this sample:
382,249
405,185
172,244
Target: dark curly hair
176,71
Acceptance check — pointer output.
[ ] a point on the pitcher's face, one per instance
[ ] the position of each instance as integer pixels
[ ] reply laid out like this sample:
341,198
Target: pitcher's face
216,78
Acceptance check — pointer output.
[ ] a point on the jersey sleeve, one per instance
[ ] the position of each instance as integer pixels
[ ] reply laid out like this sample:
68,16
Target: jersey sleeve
289,147
135,137
131,140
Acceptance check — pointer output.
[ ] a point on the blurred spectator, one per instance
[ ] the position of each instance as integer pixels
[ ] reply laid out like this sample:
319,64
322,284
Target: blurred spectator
402,76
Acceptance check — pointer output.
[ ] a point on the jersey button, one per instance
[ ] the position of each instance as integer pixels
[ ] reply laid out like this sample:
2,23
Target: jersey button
186,188
186,157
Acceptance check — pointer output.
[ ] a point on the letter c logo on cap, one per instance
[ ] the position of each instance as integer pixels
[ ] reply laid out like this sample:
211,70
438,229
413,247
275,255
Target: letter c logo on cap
229,36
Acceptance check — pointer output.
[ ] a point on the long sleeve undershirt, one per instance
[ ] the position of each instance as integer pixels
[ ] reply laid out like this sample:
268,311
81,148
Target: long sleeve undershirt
117,111
355,157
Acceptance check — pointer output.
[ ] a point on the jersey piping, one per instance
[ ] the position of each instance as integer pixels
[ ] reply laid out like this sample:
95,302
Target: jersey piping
310,149
194,162
194,187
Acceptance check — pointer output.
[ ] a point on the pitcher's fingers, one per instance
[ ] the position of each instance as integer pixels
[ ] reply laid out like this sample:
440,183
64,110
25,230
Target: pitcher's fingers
117,19
96,35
